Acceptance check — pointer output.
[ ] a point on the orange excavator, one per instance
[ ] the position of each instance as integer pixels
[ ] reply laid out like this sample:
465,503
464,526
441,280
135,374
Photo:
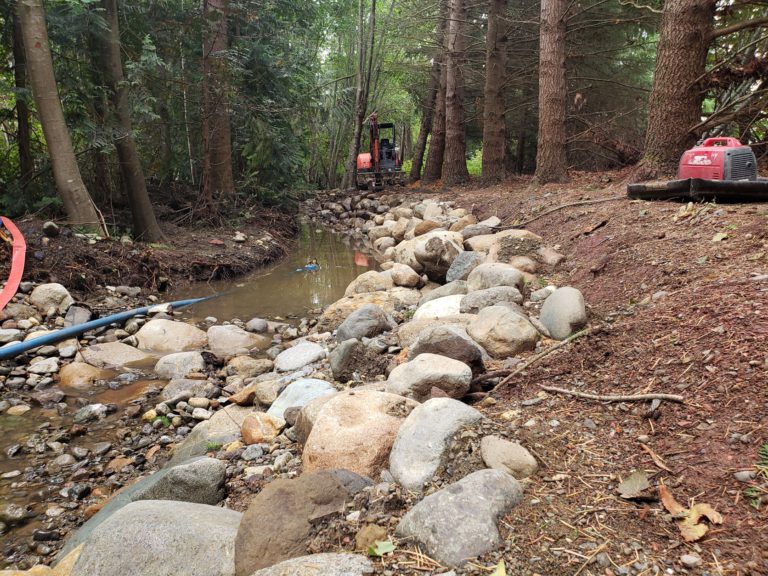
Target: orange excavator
382,163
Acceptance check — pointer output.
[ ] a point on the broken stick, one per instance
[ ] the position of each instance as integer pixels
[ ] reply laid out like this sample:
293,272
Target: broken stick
614,398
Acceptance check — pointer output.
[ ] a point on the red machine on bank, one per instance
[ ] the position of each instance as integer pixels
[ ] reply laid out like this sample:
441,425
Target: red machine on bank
382,163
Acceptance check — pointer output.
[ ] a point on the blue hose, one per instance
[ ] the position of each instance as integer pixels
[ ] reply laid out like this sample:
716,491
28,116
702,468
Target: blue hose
14,350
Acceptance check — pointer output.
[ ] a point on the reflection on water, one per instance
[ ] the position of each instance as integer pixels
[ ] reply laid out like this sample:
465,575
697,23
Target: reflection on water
286,289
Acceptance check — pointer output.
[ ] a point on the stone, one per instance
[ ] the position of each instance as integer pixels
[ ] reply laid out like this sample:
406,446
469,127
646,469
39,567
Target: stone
267,391
201,414
248,367
463,222
89,413
277,524
463,264
77,315
370,281
326,564
542,293
503,332
179,365
81,376
451,341
347,358
298,356
261,428
506,247
200,480
183,389
507,456
455,288
475,301
44,366
53,295
424,439
690,560
426,226
114,355
51,229
439,308
230,340
245,396
299,393
384,243
486,242
308,416
494,274
404,275
368,535
355,431
478,500
415,379
391,300
257,325
408,332
564,312
476,229
161,335
222,428
8,335
549,256
436,251
366,322
172,537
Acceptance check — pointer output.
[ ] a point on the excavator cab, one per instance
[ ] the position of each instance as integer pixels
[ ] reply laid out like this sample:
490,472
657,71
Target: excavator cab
382,164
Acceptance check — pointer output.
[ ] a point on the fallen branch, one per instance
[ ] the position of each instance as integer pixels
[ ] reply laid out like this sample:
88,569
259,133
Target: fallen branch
512,373
572,204
614,398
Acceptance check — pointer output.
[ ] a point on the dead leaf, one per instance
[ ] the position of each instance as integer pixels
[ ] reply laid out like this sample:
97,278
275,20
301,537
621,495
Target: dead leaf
634,485
688,520
216,242
719,237
500,570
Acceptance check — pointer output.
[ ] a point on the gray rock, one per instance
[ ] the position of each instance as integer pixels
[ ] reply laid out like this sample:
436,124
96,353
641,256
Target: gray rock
478,501
345,357
503,332
299,356
200,480
299,393
690,560
450,341
89,413
542,293
257,325
415,379
450,289
9,335
222,428
475,301
179,365
463,265
77,315
46,366
436,251
162,335
230,340
51,229
162,538
507,456
366,322
424,438
476,230
183,389
320,564
745,475
252,452
494,274
47,296
564,312
113,355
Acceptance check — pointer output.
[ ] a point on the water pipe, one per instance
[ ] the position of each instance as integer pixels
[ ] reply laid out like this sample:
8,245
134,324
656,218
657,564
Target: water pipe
13,350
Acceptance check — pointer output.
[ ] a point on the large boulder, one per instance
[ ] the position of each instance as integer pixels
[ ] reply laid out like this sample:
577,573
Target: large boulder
248,366
439,308
81,376
415,379
391,300
162,538
405,253
403,275
475,301
494,274
298,394
451,341
370,281
161,335
408,332
352,359
278,522
424,439
484,243
230,340
508,246
307,417
114,355
503,332
436,251
564,312
459,522
326,564
355,431
183,389
455,288
222,428
53,295
179,365
365,322
463,264
199,480
298,356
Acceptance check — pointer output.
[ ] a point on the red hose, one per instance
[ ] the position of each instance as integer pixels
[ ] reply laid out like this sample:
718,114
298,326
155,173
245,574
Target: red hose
17,262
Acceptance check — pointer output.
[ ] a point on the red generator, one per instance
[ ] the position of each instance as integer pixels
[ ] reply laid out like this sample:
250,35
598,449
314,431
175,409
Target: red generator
719,159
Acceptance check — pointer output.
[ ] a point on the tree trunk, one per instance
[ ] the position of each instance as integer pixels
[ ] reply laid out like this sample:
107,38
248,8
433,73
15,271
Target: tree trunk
494,122
77,202
427,115
218,180
145,225
433,168
23,133
361,94
551,156
675,103
455,157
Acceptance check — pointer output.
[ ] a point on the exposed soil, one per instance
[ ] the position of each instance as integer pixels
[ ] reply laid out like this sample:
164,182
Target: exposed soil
190,254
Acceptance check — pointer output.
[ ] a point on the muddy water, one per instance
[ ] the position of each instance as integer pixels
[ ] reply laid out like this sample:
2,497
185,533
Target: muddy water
285,290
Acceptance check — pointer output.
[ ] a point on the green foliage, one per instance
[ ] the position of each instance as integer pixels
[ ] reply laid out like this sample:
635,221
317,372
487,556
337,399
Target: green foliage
381,548
213,446
166,422
475,163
